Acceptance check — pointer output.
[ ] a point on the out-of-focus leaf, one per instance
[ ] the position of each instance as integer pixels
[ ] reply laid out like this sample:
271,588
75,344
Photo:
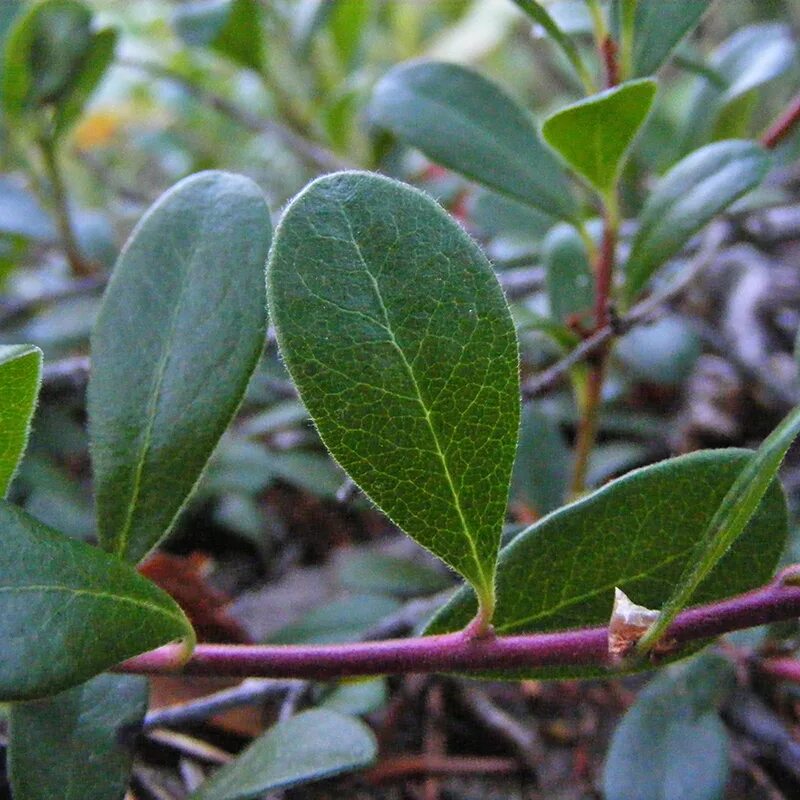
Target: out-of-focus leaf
397,335
688,197
343,620
231,27
569,280
659,28
313,745
77,745
751,57
543,463
68,611
179,333
497,215
466,123
637,533
364,571
671,743
347,23
593,135
20,376
662,353
358,697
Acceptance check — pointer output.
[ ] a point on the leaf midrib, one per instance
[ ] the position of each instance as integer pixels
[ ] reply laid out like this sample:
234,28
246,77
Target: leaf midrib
466,530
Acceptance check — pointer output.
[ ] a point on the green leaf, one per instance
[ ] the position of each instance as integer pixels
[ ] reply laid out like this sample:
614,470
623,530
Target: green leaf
231,27
68,611
594,135
358,697
671,743
687,198
539,14
20,376
366,571
395,330
569,280
467,123
659,28
44,53
98,58
348,23
543,464
344,620
750,58
728,523
178,335
313,745
638,533
77,745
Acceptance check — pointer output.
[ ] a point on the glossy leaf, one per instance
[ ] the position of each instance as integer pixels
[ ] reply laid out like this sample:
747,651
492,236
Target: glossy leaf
68,611
467,123
395,331
308,747
77,745
568,276
687,198
178,335
729,521
671,743
659,28
20,376
231,27
593,135
638,533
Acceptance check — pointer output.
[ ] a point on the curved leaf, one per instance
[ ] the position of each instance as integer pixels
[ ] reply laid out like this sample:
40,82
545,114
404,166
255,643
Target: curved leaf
466,123
77,745
308,747
68,611
594,135
638,533
687,198
568,275
395,330
178,335
20,376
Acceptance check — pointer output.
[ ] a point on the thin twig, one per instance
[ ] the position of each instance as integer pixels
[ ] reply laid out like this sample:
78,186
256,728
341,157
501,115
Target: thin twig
641,312
782,126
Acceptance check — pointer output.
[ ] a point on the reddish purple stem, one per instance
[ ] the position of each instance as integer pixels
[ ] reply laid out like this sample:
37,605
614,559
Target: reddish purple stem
458,652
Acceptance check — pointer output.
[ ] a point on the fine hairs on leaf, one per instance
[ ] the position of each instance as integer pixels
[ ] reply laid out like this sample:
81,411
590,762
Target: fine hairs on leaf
396,332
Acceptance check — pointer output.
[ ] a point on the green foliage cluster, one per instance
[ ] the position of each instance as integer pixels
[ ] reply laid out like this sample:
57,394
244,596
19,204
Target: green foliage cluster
394,328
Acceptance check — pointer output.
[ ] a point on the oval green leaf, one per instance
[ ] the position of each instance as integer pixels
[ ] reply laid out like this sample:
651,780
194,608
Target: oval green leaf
77,745
568,276
687,198
20,376
396,332
594,135
466,123
659,28
671,743
638,533
178,335
308,747
68,611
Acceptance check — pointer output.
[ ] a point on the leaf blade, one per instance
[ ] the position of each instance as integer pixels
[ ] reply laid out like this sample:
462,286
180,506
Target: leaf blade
593,135
157,352
68,611
20,377
641,530
403,352
310,746
77,745
689,196
466,123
